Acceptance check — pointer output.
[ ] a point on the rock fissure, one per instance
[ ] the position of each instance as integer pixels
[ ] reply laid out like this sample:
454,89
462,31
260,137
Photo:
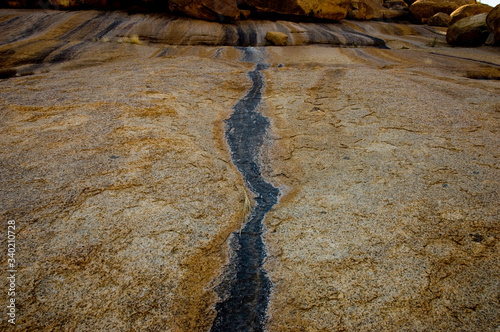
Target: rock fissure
245,288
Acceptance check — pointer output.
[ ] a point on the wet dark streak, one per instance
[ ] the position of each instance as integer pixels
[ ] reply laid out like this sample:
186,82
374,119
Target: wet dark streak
82,26
106,30
245,291
467,59
40,24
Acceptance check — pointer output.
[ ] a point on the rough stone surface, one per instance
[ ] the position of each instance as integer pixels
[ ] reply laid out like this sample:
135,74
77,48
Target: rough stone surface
323,9
390,221
277,38
493,22
469,10
422,10
470,31
114,164
213,10
123,198
439,20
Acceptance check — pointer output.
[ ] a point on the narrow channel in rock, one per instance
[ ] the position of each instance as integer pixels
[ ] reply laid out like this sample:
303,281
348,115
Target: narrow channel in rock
246,287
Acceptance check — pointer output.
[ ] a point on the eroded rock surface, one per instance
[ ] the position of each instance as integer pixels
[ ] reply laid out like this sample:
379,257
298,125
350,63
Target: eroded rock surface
390,221
115,167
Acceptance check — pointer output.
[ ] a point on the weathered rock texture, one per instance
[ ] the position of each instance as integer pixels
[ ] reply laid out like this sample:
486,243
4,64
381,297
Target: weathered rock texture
469,31
469,10
73,33
114,164
391,218
122,189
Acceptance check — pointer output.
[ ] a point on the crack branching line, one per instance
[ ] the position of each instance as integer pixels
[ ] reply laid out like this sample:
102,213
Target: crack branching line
246,287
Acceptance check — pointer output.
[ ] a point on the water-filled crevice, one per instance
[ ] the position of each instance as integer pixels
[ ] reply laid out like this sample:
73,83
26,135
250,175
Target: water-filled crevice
246,287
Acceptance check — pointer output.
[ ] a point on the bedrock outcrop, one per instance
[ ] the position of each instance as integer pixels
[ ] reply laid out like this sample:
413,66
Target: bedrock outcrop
115,166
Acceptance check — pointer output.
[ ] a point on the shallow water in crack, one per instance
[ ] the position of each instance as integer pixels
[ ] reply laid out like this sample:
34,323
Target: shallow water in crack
246,287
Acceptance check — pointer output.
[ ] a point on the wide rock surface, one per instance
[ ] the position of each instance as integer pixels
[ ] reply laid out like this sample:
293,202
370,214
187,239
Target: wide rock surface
389,161
115,167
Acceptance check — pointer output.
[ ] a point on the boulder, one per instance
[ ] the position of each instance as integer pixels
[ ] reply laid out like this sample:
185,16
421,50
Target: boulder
211,10
493,23
469,31
376,9
323,9
364,9
469,10
422,10
396,4
392,14
277,38
439,20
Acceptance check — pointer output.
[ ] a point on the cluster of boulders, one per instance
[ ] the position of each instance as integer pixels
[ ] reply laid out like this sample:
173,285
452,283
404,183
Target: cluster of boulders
232,10
470,23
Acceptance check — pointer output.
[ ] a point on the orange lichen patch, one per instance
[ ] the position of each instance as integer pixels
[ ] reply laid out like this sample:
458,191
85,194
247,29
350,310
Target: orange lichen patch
155,111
